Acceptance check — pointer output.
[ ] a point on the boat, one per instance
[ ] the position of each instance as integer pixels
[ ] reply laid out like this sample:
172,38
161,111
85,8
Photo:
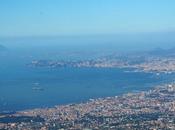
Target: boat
38,88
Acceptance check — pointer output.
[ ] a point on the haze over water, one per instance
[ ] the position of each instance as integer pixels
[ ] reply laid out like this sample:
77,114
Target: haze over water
77,30
64,85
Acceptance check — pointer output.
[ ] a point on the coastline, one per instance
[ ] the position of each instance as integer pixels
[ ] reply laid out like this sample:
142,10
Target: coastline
129,110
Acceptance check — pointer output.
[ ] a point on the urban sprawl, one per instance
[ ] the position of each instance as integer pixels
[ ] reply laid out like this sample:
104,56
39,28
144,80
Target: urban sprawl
149,110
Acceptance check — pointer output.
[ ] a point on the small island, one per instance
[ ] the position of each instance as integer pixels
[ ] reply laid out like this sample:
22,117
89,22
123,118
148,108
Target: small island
150,62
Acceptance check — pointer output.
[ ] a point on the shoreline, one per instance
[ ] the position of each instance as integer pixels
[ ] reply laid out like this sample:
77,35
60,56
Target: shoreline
153,107
129,110
80,102
85,101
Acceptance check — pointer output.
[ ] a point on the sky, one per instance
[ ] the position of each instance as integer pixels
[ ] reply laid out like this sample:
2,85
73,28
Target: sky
85,17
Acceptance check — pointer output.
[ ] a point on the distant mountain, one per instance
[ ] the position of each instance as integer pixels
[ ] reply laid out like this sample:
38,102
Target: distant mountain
2,48
163,52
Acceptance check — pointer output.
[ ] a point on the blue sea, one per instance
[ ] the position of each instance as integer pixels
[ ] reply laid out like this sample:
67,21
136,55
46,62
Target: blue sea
68,85
63,85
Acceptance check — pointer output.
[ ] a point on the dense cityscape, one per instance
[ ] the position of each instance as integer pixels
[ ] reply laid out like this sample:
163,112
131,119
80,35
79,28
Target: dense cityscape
87,65
151,63
152,110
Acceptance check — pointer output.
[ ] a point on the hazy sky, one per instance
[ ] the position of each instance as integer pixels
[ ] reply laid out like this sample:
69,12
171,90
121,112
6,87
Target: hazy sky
77,17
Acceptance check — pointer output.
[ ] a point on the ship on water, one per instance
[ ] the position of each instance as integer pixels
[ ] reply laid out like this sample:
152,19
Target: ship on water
37,87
